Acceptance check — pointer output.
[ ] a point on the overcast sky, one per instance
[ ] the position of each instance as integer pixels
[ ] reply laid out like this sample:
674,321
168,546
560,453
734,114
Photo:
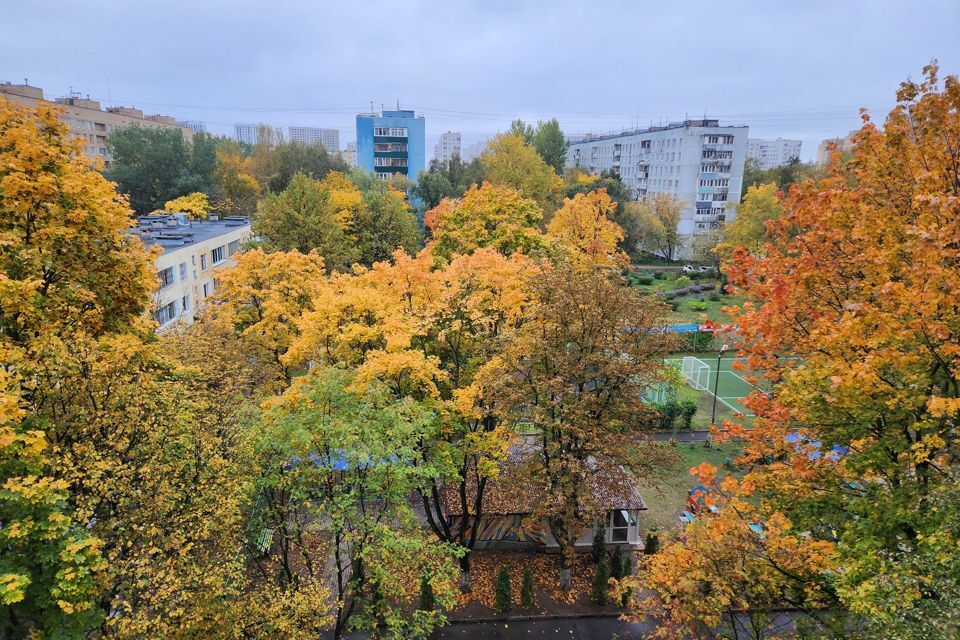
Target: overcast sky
790,68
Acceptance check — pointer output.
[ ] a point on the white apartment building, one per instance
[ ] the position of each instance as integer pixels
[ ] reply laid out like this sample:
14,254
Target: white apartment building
194,251
698,161
255,132
773,152
88,121
447,146
845,145
196,126
328,138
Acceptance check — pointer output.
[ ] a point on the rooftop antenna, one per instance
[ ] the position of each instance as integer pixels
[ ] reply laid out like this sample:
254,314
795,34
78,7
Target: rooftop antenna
398,104
371,106
109,99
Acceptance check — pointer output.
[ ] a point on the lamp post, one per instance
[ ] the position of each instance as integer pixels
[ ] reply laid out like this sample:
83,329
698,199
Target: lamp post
716,385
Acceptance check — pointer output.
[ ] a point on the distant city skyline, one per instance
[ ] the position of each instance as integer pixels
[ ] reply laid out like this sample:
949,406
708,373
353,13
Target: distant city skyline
799,71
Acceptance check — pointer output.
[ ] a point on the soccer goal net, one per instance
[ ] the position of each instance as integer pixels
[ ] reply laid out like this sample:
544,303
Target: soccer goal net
696,372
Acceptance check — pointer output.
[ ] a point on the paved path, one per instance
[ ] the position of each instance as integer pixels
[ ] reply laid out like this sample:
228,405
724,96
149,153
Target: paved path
683,436
605,628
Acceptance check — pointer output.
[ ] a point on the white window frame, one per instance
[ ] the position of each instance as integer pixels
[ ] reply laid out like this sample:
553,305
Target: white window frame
631,528
223,255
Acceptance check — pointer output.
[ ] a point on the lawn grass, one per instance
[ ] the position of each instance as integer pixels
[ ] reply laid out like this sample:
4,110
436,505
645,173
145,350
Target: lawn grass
666,497
714,311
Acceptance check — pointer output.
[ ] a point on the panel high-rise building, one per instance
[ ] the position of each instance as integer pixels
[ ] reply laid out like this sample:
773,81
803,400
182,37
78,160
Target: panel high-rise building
391,143
447,146
770,153
194,125
328,138
698,161
256,132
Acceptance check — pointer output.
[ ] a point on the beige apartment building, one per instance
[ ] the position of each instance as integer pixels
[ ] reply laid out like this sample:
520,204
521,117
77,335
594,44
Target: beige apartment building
194,252
88,121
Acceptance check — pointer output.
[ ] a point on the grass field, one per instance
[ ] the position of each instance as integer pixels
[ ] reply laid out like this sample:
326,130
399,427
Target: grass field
731,387
667,497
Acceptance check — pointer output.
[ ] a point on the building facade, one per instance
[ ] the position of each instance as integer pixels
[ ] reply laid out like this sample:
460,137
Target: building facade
349,154
774,152
88,121
193,252
447,146
247,132
194,125
391,143
698,161
329,139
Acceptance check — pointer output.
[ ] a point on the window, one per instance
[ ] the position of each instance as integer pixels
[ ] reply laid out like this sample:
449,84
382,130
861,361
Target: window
233,247
206,289
185,302
203,262
166,277
622,525
218,255
166,313
183,271
389,162
389,146
391,132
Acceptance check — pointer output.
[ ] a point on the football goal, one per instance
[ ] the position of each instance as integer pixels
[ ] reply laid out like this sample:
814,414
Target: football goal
696,372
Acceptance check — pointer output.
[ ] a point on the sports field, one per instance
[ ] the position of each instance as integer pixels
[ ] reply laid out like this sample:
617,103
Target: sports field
705,376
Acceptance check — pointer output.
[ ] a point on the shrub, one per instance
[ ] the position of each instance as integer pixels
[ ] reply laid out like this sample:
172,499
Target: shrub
669,275
688,409
674,305
683,282
668,412
599,550
428,601
643,280
652,545
526,588
503,597
601,581
695,275
715,296
658,275
698,305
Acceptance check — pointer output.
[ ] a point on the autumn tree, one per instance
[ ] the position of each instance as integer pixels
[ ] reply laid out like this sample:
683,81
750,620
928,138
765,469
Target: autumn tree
730,575
137,491
510,162
487,216
576,375
584,230
238,187
150,165
748,230
857,282
449,179
658,220
196,205
384,222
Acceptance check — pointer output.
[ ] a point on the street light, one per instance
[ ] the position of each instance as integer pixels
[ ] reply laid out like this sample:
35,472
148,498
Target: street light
716,384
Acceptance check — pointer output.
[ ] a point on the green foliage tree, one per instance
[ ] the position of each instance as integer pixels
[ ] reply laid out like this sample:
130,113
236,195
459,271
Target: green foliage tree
150,166
383,224
550,143
601,579
450,179
305,217
503,594
598,551
527,588
428,601
275,166
520,128
688,409
784,176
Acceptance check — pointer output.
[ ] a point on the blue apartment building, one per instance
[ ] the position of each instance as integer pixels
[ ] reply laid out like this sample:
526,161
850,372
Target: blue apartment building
391,143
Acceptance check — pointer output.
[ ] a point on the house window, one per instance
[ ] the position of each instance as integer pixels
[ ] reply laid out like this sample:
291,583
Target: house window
622,525
206,289
183,271
166,313
185,302
203,262
233,247
391,132
219,255
166,277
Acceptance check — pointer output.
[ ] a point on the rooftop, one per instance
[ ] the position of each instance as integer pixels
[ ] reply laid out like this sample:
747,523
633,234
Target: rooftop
635,132
175,230
515,490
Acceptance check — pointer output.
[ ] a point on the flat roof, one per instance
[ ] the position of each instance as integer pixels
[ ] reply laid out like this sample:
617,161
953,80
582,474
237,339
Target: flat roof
705,124
173,231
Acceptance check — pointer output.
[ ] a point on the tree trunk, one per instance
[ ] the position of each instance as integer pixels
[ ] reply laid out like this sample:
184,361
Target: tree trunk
466,581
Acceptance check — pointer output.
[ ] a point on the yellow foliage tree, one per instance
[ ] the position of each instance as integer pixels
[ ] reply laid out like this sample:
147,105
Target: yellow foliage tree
196,205
511,162
586,233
